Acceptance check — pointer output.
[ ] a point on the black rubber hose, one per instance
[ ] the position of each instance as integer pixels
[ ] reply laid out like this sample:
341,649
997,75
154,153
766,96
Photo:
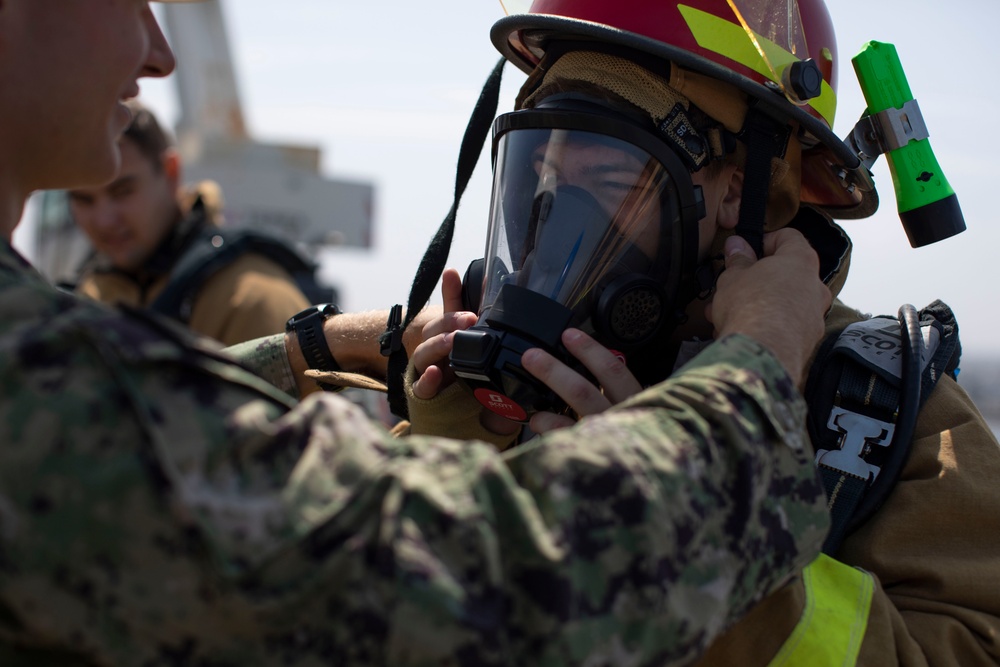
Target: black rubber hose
906,419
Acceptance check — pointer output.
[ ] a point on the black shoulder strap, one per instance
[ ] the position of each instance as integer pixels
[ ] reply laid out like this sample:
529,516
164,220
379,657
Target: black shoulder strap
216,248
865,391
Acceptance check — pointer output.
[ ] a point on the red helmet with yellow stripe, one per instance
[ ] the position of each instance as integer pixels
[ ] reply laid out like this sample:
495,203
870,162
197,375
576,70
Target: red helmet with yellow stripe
781,53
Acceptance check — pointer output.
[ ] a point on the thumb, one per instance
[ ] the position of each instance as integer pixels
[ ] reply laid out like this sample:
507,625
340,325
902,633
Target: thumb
738,252
451,291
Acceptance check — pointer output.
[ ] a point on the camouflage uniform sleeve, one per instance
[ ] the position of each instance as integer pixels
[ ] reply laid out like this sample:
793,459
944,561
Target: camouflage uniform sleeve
267,358
160,505
633,538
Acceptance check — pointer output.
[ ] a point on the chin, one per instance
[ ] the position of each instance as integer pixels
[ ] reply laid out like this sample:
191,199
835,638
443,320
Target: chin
122,119
101,168
122,262
105,158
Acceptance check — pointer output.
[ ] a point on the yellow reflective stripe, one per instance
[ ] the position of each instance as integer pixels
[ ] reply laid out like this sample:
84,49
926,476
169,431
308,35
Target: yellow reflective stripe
730,40
833,622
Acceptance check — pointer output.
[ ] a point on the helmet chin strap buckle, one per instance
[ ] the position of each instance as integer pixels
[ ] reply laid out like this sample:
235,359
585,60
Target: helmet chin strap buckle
705,278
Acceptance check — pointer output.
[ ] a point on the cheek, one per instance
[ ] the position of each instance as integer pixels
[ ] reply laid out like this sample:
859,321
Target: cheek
136,219
124,33
88,217
84,221
151,221
649,240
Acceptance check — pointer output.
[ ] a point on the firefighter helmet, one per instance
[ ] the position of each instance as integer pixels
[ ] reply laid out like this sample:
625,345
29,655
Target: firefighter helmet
781,54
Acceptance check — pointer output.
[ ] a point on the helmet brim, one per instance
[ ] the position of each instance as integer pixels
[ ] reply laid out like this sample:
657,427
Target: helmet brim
840,184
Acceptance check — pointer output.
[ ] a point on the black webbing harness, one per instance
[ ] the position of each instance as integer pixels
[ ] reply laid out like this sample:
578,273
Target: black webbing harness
864,391
215,248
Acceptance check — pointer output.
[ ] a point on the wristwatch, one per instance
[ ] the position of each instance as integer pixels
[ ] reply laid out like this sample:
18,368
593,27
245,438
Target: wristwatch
308,329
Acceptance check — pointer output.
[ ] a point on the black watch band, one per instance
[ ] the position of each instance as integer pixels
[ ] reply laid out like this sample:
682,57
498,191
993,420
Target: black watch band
308,328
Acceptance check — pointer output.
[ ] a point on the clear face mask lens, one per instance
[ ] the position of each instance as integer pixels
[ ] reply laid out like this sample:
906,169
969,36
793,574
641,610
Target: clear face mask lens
569,207
592,224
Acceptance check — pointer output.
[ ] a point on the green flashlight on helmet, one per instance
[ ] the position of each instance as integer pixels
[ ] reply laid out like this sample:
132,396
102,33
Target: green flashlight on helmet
893,124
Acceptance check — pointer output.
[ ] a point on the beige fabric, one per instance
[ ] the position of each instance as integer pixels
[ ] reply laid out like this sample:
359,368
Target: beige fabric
453,412
724,103
622,77
250,298
346,380
758,637
212,200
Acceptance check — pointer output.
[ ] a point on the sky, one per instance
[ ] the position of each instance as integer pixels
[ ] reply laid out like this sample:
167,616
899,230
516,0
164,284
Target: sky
386,89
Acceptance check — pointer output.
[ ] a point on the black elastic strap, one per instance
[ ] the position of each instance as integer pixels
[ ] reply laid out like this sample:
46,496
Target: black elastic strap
433,262
765,138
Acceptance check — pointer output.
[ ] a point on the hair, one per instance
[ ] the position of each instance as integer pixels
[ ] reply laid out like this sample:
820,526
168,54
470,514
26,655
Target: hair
146,133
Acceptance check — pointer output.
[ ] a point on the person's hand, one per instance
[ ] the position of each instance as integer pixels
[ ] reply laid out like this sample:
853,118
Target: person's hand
430,358
778,300
616,381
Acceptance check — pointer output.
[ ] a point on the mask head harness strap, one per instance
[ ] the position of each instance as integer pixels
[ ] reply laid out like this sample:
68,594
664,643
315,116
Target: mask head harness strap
641,82
765,138
436,255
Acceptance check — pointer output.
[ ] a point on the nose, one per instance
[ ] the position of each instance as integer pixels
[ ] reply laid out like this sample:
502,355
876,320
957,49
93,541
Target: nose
160,60
552,177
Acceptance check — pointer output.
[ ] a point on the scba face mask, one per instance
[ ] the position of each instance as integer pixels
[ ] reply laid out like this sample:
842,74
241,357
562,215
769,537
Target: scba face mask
593,225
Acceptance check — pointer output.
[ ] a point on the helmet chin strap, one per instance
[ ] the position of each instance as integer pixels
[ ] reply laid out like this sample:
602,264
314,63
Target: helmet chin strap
765,138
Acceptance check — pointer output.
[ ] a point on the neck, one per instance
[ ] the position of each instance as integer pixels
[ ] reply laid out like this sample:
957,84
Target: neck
14,186
696,326
11,207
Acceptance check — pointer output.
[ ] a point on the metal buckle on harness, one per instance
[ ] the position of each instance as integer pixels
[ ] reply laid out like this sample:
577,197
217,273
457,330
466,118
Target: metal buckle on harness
858,433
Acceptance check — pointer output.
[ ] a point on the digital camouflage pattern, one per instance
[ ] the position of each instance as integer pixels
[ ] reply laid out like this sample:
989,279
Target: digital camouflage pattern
160,506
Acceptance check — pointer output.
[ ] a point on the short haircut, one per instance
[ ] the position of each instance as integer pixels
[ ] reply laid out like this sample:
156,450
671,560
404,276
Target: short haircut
146,133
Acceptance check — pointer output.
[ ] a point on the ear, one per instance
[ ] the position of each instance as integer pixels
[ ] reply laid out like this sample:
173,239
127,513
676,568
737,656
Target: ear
172,168
729,207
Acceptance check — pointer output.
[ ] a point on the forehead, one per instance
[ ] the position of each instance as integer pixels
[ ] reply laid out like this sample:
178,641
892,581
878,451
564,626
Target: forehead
49,37
132,156
585,148
48,13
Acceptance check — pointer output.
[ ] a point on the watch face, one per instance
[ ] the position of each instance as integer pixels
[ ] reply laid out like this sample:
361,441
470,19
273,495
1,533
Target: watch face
325,309
328,309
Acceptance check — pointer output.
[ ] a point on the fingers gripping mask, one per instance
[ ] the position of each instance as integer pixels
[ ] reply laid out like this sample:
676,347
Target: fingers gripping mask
593,225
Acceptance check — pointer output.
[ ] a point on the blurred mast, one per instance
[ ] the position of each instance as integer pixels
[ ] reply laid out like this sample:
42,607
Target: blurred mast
210,104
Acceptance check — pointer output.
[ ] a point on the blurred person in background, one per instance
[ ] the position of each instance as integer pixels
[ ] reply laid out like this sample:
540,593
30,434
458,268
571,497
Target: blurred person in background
162,246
